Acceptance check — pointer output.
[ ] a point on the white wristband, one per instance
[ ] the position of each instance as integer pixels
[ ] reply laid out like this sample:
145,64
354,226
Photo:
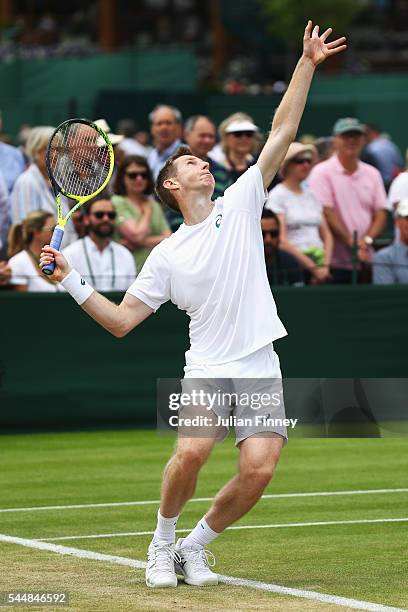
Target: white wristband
77,287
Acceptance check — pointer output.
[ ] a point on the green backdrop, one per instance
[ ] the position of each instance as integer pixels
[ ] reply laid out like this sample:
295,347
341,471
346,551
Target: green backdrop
59,368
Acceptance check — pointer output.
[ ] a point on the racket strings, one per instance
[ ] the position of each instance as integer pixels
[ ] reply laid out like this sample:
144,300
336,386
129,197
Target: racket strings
80,159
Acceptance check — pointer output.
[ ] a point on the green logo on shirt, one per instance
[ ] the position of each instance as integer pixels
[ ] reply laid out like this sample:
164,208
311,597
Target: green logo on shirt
218,220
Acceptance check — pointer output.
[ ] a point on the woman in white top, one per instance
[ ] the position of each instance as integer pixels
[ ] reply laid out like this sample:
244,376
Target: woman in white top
25,241
304,231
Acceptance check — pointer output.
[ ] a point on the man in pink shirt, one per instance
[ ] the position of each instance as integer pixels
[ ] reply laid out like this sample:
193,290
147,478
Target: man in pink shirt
353,197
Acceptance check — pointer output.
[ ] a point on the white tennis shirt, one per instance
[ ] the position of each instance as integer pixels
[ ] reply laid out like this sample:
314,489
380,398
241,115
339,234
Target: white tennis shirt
215,271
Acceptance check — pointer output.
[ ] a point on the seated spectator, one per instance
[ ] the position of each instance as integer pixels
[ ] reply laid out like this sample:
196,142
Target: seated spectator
399,187
386,154
354,200
239,144
282,268
25,241
304,231
12,164
106,265
390,265
166,128
32,190
140,222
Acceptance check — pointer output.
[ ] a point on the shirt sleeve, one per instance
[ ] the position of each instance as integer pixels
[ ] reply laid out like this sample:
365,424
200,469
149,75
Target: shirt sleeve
380,196
247,193
319,184
152,286
383,270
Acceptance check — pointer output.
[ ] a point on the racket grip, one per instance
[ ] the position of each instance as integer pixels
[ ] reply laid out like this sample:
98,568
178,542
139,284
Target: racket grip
55,243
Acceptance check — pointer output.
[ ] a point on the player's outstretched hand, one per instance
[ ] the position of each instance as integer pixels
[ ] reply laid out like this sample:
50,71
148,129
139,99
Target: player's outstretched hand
315,47
62,269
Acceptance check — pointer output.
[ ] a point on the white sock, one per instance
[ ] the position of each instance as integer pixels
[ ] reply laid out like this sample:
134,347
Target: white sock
166,528
201,535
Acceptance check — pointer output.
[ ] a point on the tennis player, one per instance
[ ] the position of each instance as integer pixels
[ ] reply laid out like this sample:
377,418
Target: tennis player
212,267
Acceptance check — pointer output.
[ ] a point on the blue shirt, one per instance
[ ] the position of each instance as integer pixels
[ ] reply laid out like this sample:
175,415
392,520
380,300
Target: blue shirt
157,160
390,265
387,156
12,164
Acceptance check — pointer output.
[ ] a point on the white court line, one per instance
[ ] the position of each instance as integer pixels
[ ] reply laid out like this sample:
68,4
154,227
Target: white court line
242,582
205,499
142,533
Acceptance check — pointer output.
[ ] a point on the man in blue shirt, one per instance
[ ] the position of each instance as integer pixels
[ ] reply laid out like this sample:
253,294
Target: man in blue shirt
166,128
390,265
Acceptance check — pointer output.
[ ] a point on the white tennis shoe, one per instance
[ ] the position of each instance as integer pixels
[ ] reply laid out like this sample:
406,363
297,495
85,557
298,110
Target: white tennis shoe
160,572
194,564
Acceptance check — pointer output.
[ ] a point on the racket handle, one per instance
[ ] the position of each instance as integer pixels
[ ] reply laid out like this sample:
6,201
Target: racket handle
55,243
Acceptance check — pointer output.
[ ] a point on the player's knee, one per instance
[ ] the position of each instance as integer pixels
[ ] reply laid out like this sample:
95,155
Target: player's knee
190,458
256,478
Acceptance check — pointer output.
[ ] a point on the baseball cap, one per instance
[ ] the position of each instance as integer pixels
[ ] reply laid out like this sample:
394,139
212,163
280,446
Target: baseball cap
104,125
241,126
347,124
402,208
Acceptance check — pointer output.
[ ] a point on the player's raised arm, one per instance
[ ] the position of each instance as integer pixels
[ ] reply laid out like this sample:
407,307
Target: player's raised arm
116,319
290,110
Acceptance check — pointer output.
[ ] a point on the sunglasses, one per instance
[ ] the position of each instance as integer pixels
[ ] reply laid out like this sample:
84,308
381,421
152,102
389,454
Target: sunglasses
301,160
272,233
241,134
134,175
100,214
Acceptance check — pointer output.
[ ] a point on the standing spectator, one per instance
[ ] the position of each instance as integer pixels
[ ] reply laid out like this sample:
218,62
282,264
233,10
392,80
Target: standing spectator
106,265
353,196
32,190
282,268
391,264
25,241
140,223
399,187
238,143
129,144
12,164
166,130
199,134
386,154
304,230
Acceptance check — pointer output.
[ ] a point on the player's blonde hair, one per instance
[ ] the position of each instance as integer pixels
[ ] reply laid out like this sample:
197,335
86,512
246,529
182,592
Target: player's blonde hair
38,139
21,234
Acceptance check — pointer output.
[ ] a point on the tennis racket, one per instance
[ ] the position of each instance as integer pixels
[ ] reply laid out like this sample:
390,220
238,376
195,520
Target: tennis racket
79,161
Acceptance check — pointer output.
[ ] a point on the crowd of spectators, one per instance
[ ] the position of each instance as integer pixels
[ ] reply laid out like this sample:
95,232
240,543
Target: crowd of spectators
323,221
